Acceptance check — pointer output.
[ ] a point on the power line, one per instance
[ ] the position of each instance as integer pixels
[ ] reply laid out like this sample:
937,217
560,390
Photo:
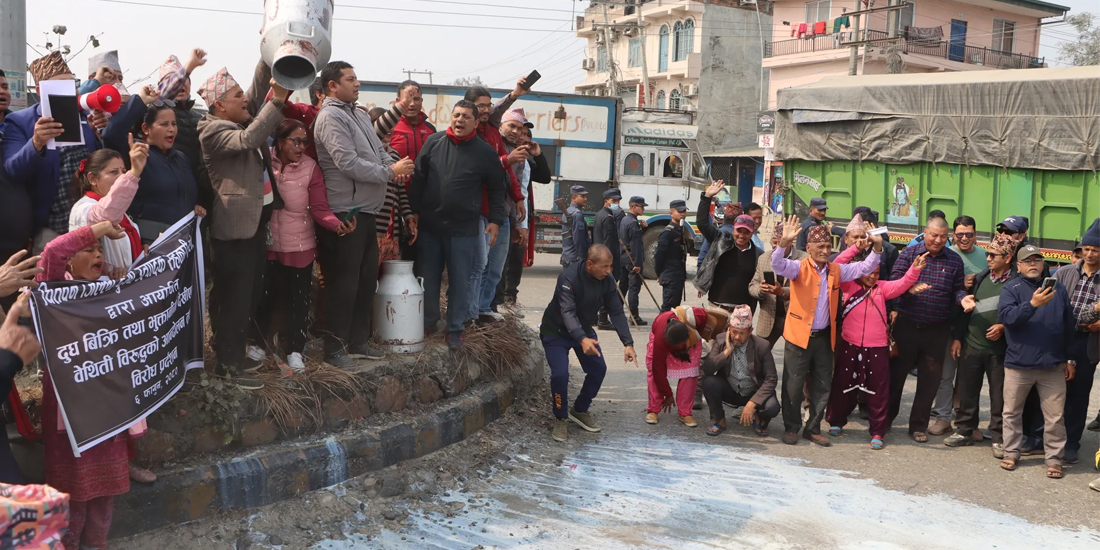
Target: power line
433,12
489,5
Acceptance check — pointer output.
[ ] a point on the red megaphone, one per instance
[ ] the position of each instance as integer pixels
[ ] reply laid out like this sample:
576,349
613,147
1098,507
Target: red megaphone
106,98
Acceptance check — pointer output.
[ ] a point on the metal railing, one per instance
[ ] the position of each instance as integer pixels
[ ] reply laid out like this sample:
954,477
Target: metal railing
943,49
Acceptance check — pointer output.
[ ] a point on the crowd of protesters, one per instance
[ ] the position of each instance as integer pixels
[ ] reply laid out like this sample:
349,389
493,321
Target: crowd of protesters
856,324
279,186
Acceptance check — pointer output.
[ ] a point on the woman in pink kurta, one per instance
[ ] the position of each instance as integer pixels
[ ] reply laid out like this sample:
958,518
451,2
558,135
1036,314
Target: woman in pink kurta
102,472
674,352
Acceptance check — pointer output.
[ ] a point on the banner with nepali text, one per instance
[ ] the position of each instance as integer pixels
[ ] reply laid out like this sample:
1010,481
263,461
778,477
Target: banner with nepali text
116,350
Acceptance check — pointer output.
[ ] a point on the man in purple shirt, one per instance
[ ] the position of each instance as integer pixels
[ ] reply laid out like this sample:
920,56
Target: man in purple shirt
811,358
922,327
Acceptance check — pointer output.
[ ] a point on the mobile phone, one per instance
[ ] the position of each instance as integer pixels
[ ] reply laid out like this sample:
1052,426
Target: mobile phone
531,79
351,214
769,277
1049,282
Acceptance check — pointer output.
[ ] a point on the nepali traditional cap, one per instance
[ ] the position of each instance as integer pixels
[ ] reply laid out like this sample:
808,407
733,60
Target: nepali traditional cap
741,317
45,68
517,115
170,66
1001,244
855,225
734,209
1092,234
217,86
105,59
818,234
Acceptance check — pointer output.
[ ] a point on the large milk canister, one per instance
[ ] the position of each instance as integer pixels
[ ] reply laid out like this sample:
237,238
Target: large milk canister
297,40
399,308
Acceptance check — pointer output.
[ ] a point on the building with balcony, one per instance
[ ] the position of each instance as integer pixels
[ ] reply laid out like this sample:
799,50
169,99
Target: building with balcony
702,57
808,40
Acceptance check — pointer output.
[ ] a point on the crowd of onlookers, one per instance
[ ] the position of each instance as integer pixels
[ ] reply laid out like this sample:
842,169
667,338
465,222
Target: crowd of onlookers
279,187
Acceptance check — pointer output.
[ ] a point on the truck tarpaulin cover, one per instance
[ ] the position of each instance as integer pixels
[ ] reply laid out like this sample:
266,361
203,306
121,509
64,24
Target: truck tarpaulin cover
1044,119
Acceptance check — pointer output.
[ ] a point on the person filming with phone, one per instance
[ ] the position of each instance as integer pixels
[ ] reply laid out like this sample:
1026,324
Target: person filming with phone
1039,328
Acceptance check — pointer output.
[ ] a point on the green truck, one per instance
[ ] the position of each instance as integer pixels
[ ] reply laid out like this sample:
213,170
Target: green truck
988,144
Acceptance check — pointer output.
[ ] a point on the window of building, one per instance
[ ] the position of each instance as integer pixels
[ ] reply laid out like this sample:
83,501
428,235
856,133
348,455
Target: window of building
673,167
662,50
661,99
677,37
685,38
675,100
635,57
818,11
602,65
905,16
1004,35
634,165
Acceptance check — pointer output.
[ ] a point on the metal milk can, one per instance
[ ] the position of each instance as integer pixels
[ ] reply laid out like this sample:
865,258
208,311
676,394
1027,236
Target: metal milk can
297,40
399,308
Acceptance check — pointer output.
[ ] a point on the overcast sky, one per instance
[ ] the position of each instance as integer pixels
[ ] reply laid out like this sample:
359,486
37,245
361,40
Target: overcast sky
380,38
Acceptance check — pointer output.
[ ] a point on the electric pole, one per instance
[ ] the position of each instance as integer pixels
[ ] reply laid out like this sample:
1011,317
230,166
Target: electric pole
645,53
410,72
607,37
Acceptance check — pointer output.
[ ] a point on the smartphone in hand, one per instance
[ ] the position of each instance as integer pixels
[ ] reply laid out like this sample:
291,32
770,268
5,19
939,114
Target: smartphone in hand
769,277
1049,282
531,79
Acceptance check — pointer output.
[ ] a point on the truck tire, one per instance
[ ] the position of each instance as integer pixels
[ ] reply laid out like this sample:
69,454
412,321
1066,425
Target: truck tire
649,243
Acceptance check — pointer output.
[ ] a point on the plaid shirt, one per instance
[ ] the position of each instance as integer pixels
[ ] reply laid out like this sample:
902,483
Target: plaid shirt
1083,296
945,274
70,157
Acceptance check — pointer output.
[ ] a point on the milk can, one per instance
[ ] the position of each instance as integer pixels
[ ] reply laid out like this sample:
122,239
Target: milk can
297,40
399,308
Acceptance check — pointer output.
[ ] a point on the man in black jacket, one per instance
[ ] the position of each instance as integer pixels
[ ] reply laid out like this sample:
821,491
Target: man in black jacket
452,170
633,256
731,263
582,289
606,232
670,260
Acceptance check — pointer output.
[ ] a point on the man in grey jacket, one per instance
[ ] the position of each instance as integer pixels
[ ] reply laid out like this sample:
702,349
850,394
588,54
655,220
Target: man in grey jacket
357,170
235,152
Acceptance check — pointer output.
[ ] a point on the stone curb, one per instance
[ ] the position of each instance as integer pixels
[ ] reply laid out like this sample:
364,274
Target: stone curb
282,471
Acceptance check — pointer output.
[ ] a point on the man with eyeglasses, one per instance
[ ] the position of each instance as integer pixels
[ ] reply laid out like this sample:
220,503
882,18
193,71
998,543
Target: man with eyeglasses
922,328
1082,281
1039,328
974,262
979,346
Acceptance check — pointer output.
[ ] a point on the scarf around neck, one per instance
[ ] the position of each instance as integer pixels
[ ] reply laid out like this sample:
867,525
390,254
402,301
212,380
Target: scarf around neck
456,140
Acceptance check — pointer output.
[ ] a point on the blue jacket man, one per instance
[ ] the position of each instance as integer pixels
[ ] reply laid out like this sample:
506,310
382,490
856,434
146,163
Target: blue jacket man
574,230
33,163
1039,329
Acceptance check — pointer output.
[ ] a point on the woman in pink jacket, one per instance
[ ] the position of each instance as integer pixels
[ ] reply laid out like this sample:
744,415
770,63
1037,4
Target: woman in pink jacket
863,351
294,244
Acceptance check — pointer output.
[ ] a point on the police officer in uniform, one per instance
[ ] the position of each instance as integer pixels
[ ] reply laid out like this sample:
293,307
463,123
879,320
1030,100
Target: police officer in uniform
606,232
670,260
574,232
633,256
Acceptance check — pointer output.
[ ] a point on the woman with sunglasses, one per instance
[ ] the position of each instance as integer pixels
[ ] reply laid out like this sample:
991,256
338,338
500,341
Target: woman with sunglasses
167,191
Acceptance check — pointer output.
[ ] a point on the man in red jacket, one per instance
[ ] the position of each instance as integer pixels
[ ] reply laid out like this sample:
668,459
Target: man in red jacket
408,137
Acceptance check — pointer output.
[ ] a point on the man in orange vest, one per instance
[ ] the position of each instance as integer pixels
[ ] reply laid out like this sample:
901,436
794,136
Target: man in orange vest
810,329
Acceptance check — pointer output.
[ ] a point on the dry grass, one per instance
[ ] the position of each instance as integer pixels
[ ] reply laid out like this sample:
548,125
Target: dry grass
289,397
498,348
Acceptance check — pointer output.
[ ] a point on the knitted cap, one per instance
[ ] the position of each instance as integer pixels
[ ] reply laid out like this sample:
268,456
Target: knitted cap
45,68
1092,234
217,86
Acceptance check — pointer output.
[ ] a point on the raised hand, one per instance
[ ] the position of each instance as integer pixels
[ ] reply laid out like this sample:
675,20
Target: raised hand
148,94
519,90
139,155
17,272
45,129
791,228
714,188
197,59
920,261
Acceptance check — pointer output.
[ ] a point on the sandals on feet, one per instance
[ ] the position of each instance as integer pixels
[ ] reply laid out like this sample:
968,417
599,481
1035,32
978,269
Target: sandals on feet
1054,471
876,443
835,431
1008,464
919,437
761,429
715,429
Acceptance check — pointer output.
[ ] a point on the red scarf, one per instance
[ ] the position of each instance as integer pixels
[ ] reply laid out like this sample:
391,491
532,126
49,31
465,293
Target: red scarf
456,140
131,231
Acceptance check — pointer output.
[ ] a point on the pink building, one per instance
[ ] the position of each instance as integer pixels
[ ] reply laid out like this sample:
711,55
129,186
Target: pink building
931,35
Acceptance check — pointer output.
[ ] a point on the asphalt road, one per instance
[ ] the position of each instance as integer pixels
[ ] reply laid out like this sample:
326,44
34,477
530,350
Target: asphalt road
968,474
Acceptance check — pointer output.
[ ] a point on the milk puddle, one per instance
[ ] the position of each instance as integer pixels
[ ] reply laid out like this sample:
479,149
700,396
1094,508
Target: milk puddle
635,493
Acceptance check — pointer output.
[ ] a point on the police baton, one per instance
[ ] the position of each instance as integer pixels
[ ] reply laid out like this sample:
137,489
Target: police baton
642,275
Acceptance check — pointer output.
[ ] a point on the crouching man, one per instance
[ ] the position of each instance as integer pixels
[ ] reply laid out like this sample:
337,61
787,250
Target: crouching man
740,371
582,289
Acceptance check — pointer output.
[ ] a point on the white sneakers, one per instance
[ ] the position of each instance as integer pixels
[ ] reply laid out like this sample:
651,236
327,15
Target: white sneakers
296,362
